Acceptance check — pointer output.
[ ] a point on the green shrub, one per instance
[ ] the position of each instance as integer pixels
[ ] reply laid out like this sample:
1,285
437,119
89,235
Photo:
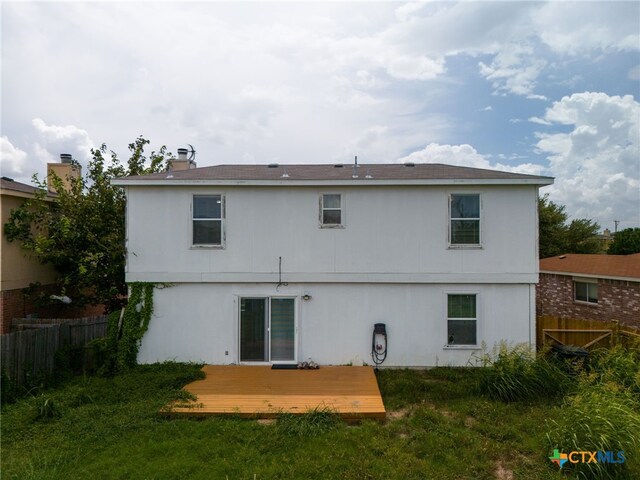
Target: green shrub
619,365
45,408
314,422
599,417
519,374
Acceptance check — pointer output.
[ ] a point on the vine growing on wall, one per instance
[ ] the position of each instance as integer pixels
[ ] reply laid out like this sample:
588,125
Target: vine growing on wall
127,327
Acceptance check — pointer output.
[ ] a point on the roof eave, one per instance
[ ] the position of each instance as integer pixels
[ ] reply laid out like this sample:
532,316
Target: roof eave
593,275
124,182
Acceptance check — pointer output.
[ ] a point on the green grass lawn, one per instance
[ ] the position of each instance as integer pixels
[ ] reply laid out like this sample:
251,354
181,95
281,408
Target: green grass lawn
439,427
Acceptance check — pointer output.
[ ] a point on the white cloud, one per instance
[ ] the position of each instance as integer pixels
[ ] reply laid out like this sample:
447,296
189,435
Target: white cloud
466,156
634,73
52,140
597,164
539,121
514,70
13,160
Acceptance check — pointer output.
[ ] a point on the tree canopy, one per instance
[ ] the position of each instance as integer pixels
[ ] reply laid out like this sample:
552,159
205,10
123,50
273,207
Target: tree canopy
81,232
625,242
558,236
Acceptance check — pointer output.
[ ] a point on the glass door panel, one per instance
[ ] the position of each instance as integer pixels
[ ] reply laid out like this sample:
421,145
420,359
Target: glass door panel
254,343
282,329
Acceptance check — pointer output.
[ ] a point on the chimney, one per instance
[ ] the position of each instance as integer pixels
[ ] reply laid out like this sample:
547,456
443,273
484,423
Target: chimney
182,162
66,170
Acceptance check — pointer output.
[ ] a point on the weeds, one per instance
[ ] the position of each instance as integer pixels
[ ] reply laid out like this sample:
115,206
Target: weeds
315,422
46,408
519,374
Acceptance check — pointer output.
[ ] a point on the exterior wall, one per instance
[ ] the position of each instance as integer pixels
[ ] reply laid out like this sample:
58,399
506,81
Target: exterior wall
199,321
391,234
617,300
16,270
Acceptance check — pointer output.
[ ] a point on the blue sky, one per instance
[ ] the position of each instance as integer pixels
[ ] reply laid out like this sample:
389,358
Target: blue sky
547,88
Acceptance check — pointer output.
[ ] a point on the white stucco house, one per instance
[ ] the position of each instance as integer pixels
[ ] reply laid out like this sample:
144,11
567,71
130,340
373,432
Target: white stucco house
279,263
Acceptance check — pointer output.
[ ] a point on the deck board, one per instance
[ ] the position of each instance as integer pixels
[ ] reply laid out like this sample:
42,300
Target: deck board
257,391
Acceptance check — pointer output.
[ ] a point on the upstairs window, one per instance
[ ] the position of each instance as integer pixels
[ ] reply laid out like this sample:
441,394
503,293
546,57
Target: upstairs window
331,210
462,319
464,214
585,292
208,213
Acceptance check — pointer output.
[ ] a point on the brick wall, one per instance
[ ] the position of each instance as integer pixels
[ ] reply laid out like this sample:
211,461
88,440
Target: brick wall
617,300
21,302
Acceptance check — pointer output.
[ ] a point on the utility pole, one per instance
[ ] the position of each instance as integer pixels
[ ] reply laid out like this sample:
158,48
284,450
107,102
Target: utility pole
616,222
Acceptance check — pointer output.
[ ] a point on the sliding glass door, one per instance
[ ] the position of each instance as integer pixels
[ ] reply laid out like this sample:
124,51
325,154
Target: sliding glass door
267,329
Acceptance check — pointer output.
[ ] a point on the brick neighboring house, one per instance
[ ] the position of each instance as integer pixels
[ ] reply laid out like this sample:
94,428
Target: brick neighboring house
17,271
590,287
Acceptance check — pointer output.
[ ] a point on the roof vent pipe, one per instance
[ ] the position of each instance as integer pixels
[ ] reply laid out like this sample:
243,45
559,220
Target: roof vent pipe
66,158
355,168
182,154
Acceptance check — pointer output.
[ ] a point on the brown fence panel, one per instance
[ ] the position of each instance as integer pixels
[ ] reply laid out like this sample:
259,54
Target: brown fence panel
585,333
31,347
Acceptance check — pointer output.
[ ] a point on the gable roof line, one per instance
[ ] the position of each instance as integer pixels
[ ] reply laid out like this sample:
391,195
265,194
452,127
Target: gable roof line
328,174
617,267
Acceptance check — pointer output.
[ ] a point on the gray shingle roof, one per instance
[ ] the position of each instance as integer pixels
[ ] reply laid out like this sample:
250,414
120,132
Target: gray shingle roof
319,172
10,184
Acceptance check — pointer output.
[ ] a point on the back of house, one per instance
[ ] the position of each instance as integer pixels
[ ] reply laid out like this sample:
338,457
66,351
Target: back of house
281,263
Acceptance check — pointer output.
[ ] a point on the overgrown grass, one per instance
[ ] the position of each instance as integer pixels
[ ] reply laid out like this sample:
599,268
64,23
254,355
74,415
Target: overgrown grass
439,427
315,422
519,374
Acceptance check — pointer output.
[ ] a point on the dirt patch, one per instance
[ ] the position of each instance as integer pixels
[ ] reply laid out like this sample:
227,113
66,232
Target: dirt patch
441,411
266,421
502,473
398,414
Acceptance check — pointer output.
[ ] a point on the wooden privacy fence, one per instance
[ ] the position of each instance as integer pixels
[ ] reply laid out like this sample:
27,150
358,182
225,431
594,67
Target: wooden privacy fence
31,347
583,333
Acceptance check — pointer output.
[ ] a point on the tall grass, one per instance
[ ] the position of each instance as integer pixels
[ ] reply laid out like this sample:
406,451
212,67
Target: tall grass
603,414
599,417
316,421
518,374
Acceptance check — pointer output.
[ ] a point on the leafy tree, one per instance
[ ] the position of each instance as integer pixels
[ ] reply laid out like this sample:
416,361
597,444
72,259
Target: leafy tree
558,237
625,242
82,231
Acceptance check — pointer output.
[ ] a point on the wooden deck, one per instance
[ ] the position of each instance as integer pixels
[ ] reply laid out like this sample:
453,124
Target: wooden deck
260,392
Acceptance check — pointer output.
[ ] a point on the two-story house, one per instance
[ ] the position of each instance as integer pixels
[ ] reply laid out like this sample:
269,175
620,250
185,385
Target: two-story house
279,263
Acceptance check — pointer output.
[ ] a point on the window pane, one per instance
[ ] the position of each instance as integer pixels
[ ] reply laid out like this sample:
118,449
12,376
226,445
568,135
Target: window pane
207,232
593,293
461,306
465,232
465,206
331,201
282,329
331,217
461,332
253,330
208,206
581,291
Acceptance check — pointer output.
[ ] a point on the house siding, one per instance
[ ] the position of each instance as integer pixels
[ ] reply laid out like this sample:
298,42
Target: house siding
199,321
617,300
391,263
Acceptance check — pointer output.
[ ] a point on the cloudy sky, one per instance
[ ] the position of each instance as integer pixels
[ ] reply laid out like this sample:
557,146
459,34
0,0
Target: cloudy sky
544,88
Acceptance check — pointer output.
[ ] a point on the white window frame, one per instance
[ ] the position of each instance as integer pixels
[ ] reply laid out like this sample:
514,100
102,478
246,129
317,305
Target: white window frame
222,221
588,283
451,219
268,297
322,209
455,346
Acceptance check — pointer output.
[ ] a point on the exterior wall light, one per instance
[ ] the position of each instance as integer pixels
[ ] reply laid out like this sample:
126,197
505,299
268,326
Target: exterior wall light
306,296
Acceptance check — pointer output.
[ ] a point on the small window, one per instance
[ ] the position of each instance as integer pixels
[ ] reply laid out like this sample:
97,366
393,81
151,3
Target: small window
464,212
586,292
331,210
461,319
208,213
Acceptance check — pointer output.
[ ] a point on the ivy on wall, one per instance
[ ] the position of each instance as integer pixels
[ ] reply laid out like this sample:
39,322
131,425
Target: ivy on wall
127,327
